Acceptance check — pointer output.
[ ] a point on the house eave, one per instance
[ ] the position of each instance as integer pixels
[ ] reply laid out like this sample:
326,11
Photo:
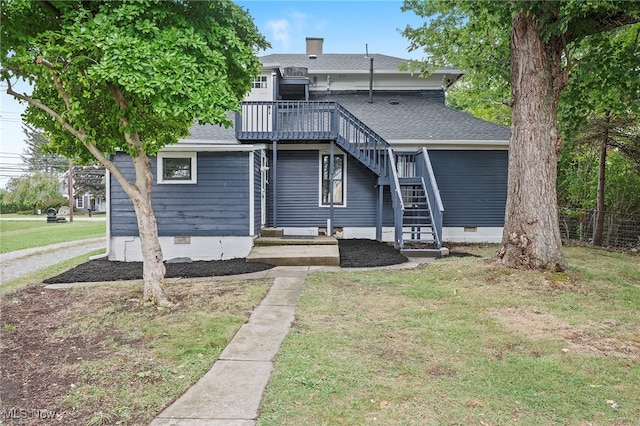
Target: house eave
211,146
449,144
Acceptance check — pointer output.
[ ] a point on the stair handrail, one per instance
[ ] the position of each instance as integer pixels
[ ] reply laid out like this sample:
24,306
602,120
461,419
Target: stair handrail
433,196
380,145
396,198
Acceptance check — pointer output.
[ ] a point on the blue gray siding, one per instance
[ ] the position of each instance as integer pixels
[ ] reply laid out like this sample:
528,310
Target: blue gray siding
218,205
257,175
473,186
298,193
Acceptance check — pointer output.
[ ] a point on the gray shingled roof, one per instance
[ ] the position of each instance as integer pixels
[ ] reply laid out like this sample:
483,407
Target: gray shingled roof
416,117
213,133
335,62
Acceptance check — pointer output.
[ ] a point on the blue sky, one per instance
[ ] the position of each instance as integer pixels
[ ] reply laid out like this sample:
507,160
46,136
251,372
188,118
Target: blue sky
346,26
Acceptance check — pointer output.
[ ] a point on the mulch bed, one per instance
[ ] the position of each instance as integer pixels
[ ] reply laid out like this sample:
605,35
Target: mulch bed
361,253
356,253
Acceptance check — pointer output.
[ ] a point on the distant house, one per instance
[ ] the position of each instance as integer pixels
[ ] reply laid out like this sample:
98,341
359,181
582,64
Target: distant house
89,184
339,144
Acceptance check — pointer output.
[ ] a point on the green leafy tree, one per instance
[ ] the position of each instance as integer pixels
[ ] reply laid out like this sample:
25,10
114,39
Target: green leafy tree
482,98
128,75
89,180
601,104
34,155
533,43
36,191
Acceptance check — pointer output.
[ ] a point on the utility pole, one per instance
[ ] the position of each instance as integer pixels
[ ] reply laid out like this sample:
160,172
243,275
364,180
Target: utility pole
70,185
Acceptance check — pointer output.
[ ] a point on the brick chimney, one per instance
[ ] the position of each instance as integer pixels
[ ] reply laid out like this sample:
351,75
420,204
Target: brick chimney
314,45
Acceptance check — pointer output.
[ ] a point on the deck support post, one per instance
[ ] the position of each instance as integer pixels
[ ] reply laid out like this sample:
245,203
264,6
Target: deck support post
274,183
379,212
331,173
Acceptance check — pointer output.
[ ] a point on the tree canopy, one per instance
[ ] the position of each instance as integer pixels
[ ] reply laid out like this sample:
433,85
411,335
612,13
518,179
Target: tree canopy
166,63
130,76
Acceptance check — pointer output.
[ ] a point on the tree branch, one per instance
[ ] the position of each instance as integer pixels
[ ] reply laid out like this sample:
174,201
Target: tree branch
113,169
595,23
51,8
56,80
132,138
68,127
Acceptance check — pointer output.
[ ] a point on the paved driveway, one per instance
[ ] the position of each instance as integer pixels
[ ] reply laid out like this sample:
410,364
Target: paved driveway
18,263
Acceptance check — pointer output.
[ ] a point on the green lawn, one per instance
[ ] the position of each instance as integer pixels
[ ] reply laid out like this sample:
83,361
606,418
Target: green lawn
19,234
464,341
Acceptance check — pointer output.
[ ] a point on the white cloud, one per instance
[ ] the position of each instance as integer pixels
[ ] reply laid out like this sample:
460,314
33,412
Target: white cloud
280,32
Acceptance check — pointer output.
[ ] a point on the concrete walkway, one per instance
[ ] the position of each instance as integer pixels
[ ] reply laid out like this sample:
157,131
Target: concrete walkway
231,392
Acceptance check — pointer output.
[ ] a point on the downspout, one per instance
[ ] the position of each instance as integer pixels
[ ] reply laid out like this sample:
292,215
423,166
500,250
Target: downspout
107,192
331,172
370,73
371,80
379,212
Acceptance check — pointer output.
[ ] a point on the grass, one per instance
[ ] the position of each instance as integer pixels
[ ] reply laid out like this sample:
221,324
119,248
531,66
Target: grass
155,356
464,341
42,274
116,360
19,235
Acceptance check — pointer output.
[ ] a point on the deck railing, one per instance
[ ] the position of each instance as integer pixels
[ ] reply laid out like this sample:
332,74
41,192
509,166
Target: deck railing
361,141
396,200
286,120
425,170
303,120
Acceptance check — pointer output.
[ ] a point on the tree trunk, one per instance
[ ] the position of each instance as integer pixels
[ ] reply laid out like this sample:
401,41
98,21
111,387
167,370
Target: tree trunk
531,237
153,269
600,207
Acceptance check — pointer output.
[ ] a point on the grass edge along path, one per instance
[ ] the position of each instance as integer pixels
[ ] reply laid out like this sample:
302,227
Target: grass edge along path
464,341
19,235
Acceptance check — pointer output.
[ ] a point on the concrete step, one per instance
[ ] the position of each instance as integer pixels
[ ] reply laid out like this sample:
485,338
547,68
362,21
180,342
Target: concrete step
272,232
296,255
425,252
290,240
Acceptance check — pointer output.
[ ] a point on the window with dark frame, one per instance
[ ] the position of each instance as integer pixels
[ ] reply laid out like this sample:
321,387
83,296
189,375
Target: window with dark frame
176,168
338,179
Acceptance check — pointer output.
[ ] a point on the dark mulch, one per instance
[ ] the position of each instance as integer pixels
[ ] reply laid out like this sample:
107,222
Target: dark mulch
106,270
353,254
360,253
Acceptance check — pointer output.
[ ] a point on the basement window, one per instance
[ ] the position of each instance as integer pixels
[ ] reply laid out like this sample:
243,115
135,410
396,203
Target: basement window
177,168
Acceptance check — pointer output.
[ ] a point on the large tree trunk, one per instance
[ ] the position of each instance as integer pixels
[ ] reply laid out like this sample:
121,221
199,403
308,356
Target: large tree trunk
531,237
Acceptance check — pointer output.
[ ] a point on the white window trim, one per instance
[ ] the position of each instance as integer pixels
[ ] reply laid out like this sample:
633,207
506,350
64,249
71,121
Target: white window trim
194,167
260,82
344,179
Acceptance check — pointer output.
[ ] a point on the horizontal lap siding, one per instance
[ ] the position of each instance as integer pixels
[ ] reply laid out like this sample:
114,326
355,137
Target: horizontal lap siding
257,176
473,186
298,193
218,205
